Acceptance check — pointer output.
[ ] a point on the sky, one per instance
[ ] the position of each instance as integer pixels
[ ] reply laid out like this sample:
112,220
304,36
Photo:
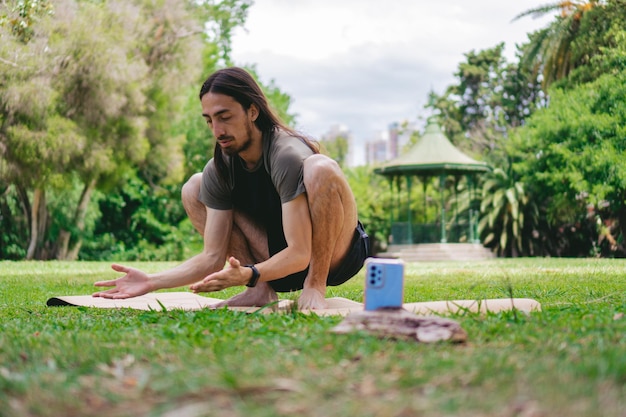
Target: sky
365,64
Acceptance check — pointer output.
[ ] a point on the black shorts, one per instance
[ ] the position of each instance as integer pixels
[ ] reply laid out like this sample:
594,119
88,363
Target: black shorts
359,251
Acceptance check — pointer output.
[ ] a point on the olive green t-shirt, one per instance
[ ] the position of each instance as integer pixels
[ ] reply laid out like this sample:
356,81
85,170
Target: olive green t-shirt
283,157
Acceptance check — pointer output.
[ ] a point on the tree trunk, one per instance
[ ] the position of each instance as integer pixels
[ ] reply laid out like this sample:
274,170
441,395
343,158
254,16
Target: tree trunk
24,203
68,248
38,223
62,244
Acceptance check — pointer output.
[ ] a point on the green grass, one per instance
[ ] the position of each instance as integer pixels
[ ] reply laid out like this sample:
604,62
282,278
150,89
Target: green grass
567,360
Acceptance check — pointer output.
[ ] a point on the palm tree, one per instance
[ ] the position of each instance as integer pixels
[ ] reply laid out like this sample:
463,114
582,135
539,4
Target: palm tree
509,217
549,50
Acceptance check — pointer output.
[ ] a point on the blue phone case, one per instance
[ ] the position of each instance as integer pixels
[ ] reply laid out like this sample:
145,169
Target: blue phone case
384,283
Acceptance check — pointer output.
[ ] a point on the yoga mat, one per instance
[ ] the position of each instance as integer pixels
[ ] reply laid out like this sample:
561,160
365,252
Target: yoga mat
473,306
169,300
336,305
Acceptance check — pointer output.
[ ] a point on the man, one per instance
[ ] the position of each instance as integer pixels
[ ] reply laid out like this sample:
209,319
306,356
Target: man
275,214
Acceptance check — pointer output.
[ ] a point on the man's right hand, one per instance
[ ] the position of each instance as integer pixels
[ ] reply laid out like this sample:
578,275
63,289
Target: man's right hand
133,284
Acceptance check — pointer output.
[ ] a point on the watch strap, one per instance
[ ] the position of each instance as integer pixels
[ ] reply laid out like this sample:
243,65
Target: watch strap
255,276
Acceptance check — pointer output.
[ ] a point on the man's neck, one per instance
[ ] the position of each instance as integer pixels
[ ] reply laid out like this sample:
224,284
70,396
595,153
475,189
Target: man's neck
252,155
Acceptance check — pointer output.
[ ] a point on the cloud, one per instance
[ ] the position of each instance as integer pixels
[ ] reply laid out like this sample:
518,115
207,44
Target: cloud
366,88
366,64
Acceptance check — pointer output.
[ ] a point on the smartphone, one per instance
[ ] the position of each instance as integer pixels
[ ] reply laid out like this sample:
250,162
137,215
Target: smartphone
384,283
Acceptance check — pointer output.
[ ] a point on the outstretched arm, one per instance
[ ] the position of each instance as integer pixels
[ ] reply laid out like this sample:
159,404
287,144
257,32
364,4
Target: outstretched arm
135,282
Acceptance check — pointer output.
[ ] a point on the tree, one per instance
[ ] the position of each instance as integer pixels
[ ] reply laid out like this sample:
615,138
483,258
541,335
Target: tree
100,78
335,144
470,108
577,170
509,217
32,152
220,17
549,50
374,200
92,95
489,97
601,49
21,17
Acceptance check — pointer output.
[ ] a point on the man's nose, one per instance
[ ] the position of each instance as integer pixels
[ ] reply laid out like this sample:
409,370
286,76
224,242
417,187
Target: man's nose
218,130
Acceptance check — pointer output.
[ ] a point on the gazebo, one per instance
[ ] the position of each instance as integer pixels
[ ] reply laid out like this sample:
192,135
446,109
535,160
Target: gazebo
432,156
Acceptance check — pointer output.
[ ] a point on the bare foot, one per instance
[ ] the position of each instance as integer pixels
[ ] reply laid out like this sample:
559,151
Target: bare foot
311,299
257,296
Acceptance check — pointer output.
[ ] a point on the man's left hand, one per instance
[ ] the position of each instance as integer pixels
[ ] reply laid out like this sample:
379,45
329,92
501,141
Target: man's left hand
234,274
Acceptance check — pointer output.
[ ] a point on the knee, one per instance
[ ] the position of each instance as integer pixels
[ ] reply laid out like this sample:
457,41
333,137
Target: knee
191,188
321,170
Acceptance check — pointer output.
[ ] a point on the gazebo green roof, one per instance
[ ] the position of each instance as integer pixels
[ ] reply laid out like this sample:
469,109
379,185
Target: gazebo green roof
432,155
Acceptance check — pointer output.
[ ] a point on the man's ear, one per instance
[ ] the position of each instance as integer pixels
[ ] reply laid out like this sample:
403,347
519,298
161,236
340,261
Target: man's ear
253,111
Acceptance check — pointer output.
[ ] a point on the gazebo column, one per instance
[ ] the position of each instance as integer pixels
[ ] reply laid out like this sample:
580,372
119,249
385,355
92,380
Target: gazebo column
476,212
424,204
442,184
409,214
391,216
456,235
470,189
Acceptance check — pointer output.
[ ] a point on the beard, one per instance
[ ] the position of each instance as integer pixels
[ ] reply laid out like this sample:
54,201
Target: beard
234,150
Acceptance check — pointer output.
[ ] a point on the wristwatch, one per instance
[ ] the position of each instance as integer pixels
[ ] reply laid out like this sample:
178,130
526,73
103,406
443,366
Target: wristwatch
255,276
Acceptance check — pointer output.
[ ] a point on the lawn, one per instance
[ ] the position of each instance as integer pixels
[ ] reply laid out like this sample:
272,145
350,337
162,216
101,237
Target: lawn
567,360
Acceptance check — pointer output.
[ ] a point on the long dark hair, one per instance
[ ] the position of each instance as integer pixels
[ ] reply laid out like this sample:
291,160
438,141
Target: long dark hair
238,83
